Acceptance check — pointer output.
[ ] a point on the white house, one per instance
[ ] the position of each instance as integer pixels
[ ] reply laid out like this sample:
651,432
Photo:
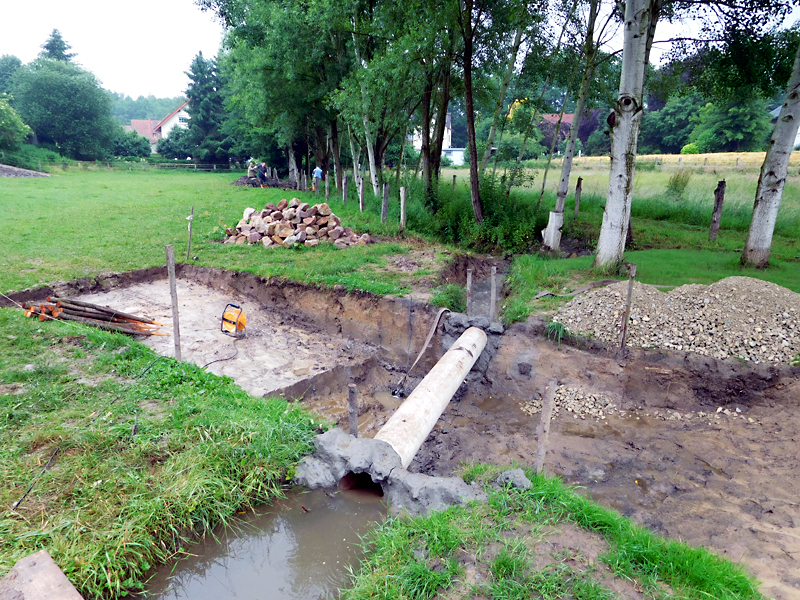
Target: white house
177,118
775,113
456,155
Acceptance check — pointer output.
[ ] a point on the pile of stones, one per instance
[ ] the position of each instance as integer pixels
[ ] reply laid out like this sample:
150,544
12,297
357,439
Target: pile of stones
738,317
292,222
577,404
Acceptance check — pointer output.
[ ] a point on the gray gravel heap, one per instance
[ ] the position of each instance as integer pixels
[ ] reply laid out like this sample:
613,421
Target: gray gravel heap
737,317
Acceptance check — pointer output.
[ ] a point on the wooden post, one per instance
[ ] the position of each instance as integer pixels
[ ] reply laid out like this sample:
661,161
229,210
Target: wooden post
680,161
361,194
738,161
454,182
705,161
543,430
578,195
344,188
189,245
716,216
493,297
627,314
352,401
176,328
403,194
385,205
469,289
327,187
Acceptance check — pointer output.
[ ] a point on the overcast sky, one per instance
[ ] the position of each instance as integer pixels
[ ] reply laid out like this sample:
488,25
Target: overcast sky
138,48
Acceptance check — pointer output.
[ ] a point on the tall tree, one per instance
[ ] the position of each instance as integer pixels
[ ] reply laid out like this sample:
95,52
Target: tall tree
206,110
8,66
65,105
56,48
773,175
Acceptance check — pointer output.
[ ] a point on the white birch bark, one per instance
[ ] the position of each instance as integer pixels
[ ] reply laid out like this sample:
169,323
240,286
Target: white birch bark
627,118
373,171
292,163
773,175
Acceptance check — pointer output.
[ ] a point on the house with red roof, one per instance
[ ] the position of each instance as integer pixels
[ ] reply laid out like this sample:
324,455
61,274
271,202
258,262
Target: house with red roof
154,130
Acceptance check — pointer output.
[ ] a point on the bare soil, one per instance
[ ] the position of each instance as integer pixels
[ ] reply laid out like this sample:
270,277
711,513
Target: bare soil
727,481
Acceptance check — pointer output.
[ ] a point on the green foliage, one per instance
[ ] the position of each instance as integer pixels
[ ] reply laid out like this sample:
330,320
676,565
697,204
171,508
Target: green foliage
177,145
55,48
556,332
115,504
738,126
130,143
32,157
667,130
451,296
206,110
690,148
65,106
598,143
8,66
678,182
13,132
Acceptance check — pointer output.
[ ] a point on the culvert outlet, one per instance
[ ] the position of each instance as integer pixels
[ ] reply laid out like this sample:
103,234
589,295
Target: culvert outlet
412,422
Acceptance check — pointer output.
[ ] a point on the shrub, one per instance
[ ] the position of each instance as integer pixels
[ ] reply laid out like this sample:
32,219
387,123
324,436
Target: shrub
678,182
690,149
451,296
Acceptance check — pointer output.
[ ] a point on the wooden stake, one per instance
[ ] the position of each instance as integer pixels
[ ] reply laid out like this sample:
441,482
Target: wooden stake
191,220
627,314
493,297
176,328
469,290
716,216
543,430
403,194
327,188
578,195
352,401
385,205
454,182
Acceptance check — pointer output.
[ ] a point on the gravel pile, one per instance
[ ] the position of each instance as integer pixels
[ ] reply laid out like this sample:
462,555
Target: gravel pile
738,317
577,404
9,171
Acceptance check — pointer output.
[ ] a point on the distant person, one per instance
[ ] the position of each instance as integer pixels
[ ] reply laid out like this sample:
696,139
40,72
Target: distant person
317,174
262,173
251,171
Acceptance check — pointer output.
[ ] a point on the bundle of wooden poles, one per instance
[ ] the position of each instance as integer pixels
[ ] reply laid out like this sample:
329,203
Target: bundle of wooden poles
94,315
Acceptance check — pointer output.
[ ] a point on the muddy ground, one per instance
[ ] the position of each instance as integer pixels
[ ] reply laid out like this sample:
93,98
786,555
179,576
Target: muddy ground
724,480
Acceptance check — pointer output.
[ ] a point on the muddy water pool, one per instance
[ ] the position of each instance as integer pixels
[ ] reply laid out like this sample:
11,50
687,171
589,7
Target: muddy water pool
299,548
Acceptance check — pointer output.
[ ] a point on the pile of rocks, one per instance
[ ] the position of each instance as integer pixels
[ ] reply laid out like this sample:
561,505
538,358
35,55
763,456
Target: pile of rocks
738,317
578,404
575,403
292,222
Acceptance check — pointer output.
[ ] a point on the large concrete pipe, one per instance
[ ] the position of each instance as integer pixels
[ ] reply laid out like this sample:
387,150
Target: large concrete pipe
411,423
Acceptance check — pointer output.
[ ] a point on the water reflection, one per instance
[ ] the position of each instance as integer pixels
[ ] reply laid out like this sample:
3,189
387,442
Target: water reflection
300,550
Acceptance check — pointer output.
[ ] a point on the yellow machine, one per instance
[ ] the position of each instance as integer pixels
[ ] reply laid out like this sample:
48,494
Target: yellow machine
233,321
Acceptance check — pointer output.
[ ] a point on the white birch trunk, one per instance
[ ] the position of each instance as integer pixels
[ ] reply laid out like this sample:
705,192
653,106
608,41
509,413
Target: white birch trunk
627,117
292,164
373,171
773,175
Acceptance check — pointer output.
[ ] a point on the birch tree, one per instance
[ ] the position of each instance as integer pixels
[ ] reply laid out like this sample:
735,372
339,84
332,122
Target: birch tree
773,175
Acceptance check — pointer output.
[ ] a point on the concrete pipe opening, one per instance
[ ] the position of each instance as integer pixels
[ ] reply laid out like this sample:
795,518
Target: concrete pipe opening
361,482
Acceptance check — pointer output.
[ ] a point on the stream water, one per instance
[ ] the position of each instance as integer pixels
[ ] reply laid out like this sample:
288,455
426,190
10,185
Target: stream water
299,548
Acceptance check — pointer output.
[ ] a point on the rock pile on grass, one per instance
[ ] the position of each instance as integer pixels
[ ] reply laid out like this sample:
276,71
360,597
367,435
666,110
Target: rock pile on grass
737,317
292,222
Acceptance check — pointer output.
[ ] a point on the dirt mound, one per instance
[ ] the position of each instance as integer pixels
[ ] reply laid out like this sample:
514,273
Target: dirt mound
736,317
9,171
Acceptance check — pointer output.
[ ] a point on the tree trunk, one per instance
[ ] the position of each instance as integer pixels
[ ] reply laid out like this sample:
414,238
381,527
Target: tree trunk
373,171
474,182
336,151
502,95
716,216
356,157
425,132
441,118
773,176
292,163
624,125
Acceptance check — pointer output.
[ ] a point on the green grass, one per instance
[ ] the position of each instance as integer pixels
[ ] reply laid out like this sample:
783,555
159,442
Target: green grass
113,504
424,557
80,224
452,296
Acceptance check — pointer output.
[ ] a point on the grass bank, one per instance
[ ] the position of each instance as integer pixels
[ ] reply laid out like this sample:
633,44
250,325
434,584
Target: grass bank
128,463
546,542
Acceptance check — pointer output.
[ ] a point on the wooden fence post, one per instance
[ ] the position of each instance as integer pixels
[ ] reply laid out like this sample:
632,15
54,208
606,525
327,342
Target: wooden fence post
493,297
385,205
578,195
627,314
469,289
543,430
454,182
176,328
716,216
327,187
403,195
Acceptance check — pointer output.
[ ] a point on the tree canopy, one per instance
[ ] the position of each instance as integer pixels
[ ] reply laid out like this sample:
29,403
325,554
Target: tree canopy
56,48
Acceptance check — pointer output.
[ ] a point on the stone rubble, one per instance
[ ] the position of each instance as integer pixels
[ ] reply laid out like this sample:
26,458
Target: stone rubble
290,223
578,404
736,317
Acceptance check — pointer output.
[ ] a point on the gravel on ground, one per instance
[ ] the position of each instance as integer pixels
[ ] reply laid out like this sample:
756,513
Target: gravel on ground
737,317
9,171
